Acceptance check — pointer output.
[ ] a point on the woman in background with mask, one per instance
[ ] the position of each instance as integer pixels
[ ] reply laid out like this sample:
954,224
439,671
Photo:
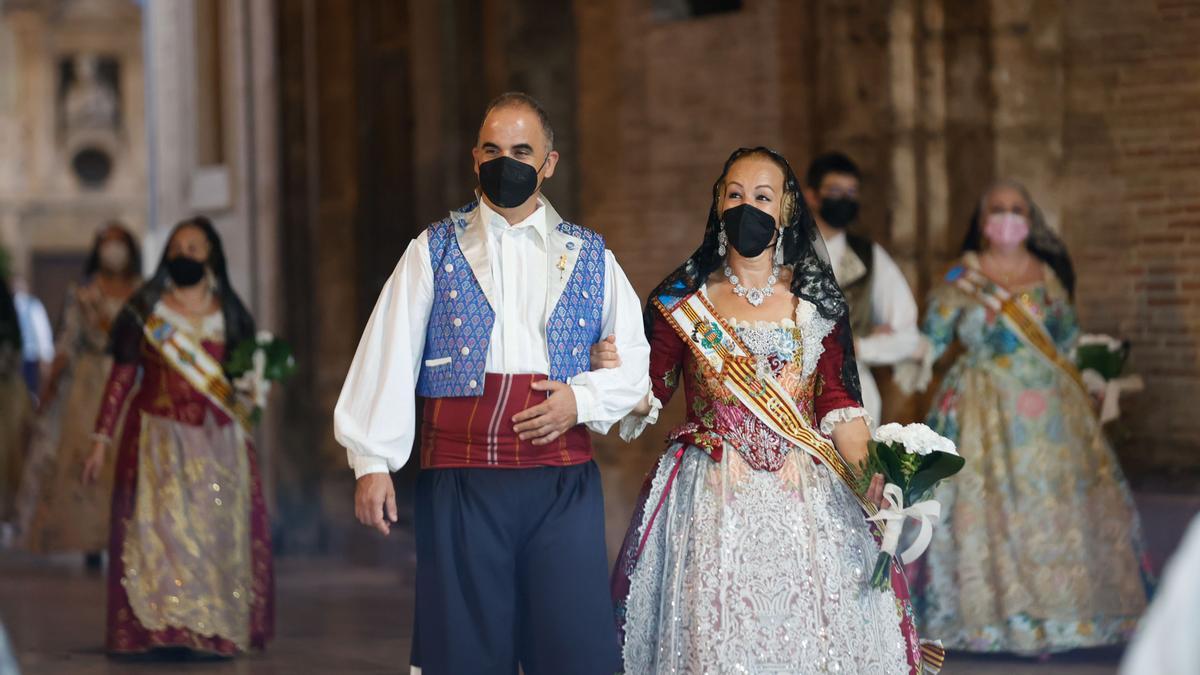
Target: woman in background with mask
1043,552
189,551
55,513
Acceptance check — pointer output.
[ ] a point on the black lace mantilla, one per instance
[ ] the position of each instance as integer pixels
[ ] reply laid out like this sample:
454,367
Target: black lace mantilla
804,251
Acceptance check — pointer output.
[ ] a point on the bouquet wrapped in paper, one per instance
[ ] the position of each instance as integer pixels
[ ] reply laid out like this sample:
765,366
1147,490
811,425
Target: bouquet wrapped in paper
256,364
913,459
1101,361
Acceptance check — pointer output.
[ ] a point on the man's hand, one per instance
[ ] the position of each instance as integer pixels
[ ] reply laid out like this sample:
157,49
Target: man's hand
544,423
375,502
604,354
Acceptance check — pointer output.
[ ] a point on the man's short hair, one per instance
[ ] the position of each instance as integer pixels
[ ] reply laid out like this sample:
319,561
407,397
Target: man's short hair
830,162
521,99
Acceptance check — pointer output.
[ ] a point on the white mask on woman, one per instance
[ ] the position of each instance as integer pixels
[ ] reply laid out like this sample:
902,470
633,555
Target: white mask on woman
114,256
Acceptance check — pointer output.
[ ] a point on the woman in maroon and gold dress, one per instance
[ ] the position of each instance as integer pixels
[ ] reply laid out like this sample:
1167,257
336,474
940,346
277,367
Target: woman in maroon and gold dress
190,551
748,551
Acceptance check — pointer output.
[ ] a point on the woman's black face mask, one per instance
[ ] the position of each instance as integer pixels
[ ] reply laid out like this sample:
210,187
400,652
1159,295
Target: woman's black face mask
750,230
185,271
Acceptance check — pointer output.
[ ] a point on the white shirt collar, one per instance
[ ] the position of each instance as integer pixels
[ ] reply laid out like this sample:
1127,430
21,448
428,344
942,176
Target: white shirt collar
535,220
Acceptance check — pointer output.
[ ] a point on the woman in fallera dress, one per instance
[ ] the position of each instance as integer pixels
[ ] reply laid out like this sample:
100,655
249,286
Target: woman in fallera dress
189,550
748,551
1045,555
56,513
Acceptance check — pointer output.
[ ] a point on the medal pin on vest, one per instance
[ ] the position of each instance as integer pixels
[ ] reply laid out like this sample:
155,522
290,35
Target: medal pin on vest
562,253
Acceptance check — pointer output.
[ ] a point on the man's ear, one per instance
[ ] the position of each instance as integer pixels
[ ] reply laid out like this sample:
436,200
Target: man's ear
810,196
475,155
551,162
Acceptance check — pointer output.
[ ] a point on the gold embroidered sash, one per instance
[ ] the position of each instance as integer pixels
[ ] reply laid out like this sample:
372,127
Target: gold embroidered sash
713,342
197,366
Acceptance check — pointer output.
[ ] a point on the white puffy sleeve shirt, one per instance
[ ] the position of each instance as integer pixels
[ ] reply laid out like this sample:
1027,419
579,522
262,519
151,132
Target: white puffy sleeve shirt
892,305
375,414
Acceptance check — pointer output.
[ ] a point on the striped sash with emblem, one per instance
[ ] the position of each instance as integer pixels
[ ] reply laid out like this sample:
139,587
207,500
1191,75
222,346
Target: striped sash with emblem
712,342
188,358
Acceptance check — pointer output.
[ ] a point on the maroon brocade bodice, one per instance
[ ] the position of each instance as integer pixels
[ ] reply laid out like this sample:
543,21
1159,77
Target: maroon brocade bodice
715,418
160,390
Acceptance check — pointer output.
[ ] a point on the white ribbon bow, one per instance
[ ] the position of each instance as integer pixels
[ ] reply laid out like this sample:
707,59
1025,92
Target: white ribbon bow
253,383
894,516
261,386
1110,408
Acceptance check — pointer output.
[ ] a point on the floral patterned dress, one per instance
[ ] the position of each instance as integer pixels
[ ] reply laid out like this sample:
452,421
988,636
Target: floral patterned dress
1043,553
745,555
56,511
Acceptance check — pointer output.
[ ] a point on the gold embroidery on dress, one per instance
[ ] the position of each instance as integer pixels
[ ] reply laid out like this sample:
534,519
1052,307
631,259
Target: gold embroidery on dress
187,551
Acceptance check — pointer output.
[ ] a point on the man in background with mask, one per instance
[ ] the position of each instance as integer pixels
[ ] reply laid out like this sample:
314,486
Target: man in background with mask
883,313
490,316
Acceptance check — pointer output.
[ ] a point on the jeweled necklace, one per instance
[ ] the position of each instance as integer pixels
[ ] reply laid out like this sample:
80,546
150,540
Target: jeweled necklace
754,296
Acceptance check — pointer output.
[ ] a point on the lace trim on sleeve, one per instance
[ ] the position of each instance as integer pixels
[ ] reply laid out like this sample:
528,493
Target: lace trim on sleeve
843,415
633,425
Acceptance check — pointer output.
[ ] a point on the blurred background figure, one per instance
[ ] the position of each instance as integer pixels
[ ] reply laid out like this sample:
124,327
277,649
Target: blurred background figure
190,561
37,338
8,660
15,407
1166,642
883,313
1044,552
56,513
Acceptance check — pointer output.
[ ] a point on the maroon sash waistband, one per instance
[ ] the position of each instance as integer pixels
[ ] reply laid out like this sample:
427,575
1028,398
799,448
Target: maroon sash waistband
477,432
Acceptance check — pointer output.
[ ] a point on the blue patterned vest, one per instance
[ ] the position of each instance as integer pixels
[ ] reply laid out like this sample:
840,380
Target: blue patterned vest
460,324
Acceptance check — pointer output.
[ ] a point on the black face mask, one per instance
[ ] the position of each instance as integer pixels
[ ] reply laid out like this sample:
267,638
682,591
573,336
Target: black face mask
185,271
750,230
839,212
507,182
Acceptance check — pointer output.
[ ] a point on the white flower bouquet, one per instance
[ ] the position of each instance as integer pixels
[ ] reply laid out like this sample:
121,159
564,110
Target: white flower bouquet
913,459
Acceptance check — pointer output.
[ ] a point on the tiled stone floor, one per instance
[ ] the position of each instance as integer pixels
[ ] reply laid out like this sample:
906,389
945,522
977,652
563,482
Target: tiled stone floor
345,618
332,618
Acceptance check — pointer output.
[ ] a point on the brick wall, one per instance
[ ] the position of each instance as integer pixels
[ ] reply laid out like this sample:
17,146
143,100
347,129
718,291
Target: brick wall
1095,104
1132,213
661,105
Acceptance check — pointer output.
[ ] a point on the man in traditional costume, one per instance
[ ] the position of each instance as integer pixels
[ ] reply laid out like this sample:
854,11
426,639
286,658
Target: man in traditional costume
883,313
490,316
